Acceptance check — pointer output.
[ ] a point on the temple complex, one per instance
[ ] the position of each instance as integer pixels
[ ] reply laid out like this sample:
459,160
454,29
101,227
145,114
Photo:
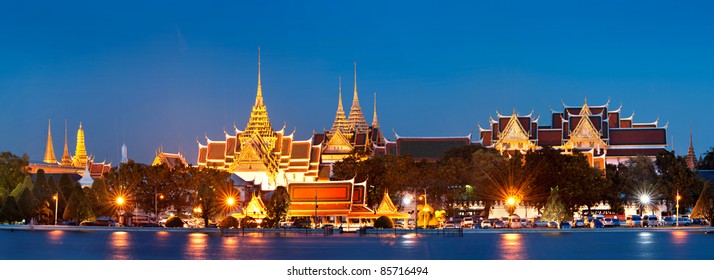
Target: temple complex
259,155
601,134
81,164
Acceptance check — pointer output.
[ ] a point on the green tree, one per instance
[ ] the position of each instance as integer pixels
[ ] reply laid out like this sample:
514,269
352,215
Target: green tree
41,188
555,209
278,206
78,207
384,222
174,222
26,185
13,170
27,204
100,199
228,222
10,212
706,162
43,213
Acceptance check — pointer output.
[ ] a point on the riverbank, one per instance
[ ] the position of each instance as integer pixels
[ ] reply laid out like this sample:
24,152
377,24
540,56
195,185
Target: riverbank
705,229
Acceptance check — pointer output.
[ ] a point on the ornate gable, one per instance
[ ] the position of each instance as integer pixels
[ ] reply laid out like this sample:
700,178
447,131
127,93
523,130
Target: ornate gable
585,135
514,137
339,143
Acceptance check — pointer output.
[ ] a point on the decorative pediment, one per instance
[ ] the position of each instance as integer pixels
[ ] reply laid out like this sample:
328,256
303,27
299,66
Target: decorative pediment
339,142
585,136
513,130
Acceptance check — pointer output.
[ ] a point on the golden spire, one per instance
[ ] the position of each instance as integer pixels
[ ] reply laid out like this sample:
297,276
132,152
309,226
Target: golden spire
340,122
375,121
259,122
80,152
66,159
356,118
49,150
259,95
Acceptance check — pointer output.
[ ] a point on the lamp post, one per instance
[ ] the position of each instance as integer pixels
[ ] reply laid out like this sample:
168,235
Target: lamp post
56,198
678,198
120,203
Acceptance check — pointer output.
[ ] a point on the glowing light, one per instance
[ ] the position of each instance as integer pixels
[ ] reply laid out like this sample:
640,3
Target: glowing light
120,201
645,199
511,201
161,196
407,200
54,197
679,197
230,201
197,210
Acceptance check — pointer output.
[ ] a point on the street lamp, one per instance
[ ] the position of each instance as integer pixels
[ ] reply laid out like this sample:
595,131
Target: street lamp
678,198
56,198
644,200
120,203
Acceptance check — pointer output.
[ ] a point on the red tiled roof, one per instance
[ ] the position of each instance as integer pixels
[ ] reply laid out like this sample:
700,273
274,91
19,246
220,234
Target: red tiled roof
549,138
216,150
202,154
634,152
300,150
638,136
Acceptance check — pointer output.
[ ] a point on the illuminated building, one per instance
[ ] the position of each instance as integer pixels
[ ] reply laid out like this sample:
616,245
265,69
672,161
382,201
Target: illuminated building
79,164
691,156
259,155
599,133
170,159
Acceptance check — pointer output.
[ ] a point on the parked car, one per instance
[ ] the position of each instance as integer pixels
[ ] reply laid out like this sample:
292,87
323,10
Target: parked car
486,224
579,223
615,223
651,221
607,222
684,221
552,224
540,224
467,222
514,221
597,223
633,221
564,225
700,221
449,225
668,221
499,224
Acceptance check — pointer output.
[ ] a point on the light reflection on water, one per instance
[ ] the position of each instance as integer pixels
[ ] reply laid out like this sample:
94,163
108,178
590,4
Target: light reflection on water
679,237
197,246
511,247
121,245
55,237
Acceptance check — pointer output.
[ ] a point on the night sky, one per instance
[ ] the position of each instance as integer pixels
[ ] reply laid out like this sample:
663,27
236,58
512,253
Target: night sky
167,73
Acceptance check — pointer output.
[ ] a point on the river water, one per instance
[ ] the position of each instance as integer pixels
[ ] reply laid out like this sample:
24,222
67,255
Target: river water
474,245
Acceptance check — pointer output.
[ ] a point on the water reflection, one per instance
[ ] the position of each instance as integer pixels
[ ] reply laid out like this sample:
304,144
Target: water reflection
679,237
511,247
56,237
197,246
120,245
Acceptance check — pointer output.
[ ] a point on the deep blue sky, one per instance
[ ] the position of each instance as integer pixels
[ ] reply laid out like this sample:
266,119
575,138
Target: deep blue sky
165,73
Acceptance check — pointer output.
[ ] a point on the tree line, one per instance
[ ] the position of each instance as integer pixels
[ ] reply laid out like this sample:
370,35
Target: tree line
475,175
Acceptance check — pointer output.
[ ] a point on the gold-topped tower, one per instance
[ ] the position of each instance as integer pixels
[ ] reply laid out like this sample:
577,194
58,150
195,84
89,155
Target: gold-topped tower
356,118
340,122
80,152
375,121
66,159
259,122
49,149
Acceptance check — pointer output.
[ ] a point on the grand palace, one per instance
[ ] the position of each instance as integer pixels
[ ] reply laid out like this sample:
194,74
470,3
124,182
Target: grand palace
262,158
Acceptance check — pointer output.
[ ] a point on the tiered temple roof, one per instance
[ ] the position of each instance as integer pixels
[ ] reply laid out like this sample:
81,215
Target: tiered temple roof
356,118
170,159
260,155
423,148
599,132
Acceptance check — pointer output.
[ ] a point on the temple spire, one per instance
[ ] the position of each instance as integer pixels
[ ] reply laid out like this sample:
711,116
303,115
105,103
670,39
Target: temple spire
375,121
259,122
691,156
66,159
356,118
259,94
80,152
340,122
49,150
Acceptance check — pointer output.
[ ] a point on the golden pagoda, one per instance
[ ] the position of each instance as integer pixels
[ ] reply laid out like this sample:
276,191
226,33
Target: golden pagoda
49,150
340,122
259,122
356,118
375,121
66,159
80,152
